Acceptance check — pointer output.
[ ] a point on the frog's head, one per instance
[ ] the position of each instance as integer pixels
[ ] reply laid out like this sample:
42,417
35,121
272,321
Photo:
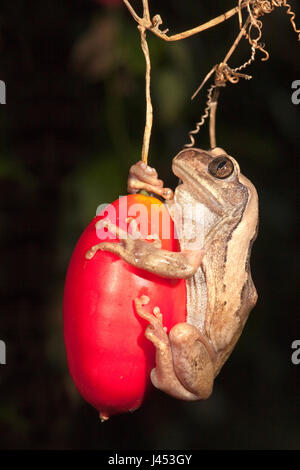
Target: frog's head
214,179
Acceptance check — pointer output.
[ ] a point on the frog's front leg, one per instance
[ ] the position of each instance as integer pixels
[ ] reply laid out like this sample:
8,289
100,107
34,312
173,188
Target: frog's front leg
142,176
139,253
149,255
184,359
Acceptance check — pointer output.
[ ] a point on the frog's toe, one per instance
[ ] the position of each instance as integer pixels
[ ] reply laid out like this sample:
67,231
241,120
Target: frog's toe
155,330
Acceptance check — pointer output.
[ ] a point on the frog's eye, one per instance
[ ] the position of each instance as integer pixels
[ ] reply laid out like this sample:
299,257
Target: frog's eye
221,167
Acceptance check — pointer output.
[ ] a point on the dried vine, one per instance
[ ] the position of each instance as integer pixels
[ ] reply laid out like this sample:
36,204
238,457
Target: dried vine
250,29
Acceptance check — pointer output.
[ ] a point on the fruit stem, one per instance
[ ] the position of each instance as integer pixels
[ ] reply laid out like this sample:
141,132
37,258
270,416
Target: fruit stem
143,192
103,417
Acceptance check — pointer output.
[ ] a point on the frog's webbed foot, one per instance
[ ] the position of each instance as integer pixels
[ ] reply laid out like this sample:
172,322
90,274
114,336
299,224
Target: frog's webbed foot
148,255
142,176
184,367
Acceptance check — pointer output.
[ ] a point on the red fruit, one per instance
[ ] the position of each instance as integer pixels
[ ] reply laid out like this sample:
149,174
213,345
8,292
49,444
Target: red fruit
108,355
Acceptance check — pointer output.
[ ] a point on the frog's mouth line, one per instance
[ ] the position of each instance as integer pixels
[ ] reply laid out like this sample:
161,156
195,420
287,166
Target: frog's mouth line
203,193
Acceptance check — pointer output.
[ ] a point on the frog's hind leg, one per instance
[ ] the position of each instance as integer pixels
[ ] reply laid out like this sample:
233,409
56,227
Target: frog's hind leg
184,369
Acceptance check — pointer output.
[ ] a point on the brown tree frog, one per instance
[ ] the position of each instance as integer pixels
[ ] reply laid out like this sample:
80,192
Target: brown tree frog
215,264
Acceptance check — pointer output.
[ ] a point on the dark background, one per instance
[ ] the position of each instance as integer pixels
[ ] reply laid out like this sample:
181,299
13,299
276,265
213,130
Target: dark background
72,126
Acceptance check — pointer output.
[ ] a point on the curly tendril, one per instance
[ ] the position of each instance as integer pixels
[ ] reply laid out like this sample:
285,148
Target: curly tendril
251,29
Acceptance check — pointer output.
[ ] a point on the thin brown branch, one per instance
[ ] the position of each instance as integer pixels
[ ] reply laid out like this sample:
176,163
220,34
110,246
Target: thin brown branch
222,72
212,117
216,68
137,18
149,108
199,29
237,40
154,25
146,12
212,71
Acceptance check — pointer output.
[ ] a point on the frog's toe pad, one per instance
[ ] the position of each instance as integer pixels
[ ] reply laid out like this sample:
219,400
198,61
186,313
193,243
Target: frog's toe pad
155,331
